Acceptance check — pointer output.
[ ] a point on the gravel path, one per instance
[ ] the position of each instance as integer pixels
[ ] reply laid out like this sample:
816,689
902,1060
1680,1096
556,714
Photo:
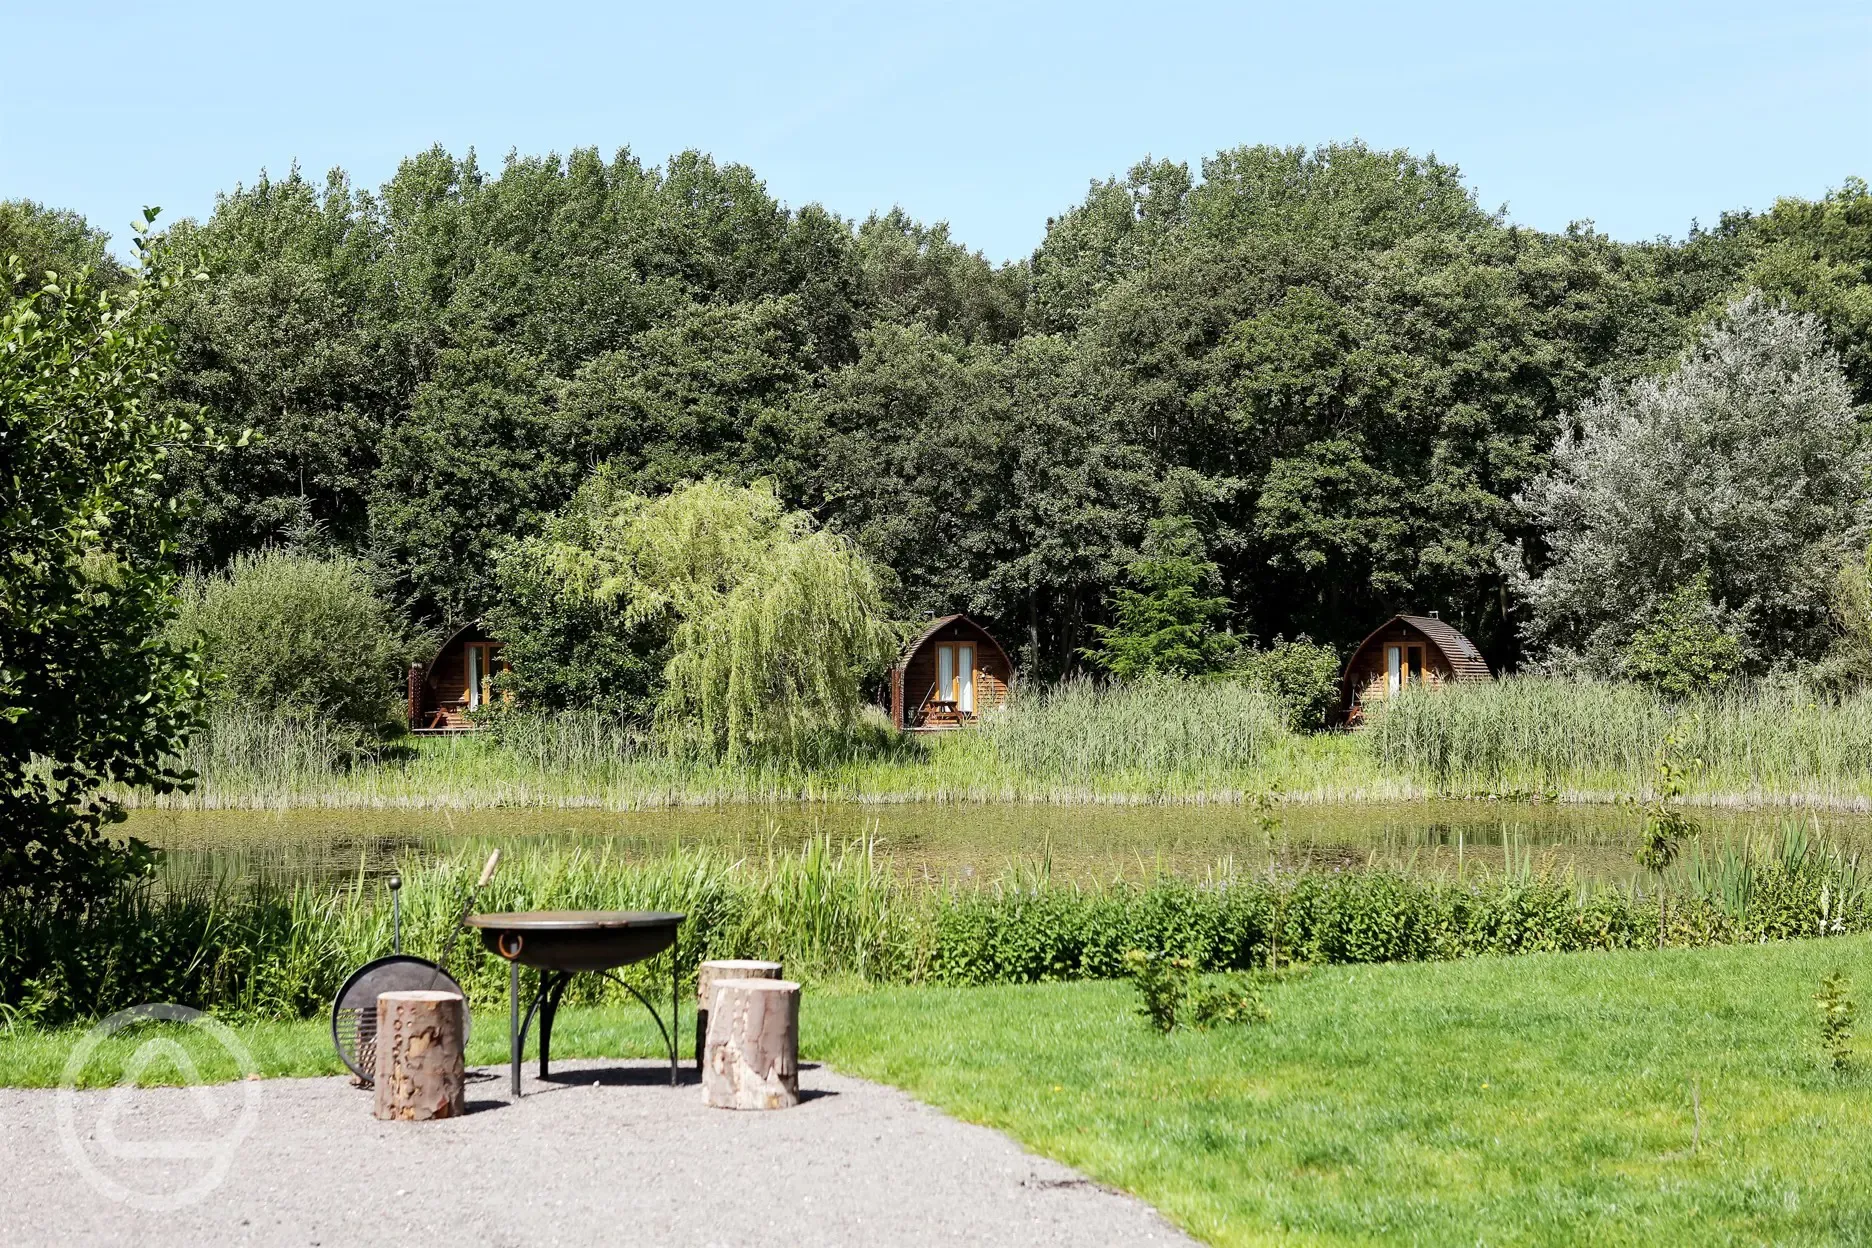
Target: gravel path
604,1153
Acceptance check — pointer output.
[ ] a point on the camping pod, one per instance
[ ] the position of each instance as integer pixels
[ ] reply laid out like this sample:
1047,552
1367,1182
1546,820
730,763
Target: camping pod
445,692
1407,650
949,676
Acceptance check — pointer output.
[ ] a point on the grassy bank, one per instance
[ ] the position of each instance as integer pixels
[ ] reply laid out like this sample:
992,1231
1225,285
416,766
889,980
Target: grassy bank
1537,1100
1160,742
280,951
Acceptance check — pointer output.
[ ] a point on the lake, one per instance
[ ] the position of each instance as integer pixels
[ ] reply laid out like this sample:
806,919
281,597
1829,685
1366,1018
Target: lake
960,841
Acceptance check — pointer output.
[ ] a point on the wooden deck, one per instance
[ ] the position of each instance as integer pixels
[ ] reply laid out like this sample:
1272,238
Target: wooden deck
446,721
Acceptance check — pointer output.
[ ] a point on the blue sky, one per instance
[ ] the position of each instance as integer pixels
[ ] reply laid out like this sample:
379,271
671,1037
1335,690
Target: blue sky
990,116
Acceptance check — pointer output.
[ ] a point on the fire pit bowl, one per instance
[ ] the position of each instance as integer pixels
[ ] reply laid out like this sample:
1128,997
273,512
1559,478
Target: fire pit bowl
562,943
578,940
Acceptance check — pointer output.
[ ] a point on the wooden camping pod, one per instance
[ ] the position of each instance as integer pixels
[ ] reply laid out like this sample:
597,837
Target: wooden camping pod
1407,650
445,692
950,674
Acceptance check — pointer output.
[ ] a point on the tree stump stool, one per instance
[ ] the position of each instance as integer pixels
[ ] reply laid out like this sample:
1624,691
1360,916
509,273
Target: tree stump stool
751,1057
711,973
419,1072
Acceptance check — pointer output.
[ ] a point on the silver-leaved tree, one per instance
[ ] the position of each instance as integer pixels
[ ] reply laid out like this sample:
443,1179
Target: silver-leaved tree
1740,476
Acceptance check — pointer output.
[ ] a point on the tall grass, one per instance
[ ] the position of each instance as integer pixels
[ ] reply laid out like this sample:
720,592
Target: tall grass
1082,732
1152,740
1585,738
1156,740
573,758
259,751
837,910
282,950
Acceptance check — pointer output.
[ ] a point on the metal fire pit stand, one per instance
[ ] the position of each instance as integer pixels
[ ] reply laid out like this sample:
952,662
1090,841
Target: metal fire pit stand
561,944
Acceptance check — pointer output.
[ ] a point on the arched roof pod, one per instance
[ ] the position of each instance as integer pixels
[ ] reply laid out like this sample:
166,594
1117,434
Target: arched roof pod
1408,649
948,676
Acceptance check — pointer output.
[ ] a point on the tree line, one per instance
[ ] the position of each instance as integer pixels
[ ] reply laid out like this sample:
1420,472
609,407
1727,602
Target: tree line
1337,377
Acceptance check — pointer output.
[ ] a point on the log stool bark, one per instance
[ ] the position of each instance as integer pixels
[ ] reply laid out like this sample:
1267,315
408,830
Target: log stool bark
419,1073
751,1058
711,973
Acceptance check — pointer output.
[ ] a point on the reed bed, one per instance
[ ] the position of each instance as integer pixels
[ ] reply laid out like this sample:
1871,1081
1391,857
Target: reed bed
1160,740
1151,730
1535,735
836,910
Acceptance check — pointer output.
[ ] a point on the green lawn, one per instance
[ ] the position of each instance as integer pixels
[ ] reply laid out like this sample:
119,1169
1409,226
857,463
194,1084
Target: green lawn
1529,1100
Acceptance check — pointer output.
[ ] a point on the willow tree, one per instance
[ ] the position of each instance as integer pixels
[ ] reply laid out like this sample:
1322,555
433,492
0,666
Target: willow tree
773,623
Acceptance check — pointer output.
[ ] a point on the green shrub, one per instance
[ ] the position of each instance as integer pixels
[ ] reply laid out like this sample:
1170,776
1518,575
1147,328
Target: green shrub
1847,664
1666,827
1301,677
1225,1001
1162,984
1685,649
1172,994
294,635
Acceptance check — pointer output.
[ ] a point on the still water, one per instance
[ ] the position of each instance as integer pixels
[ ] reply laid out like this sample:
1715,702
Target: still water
974,841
